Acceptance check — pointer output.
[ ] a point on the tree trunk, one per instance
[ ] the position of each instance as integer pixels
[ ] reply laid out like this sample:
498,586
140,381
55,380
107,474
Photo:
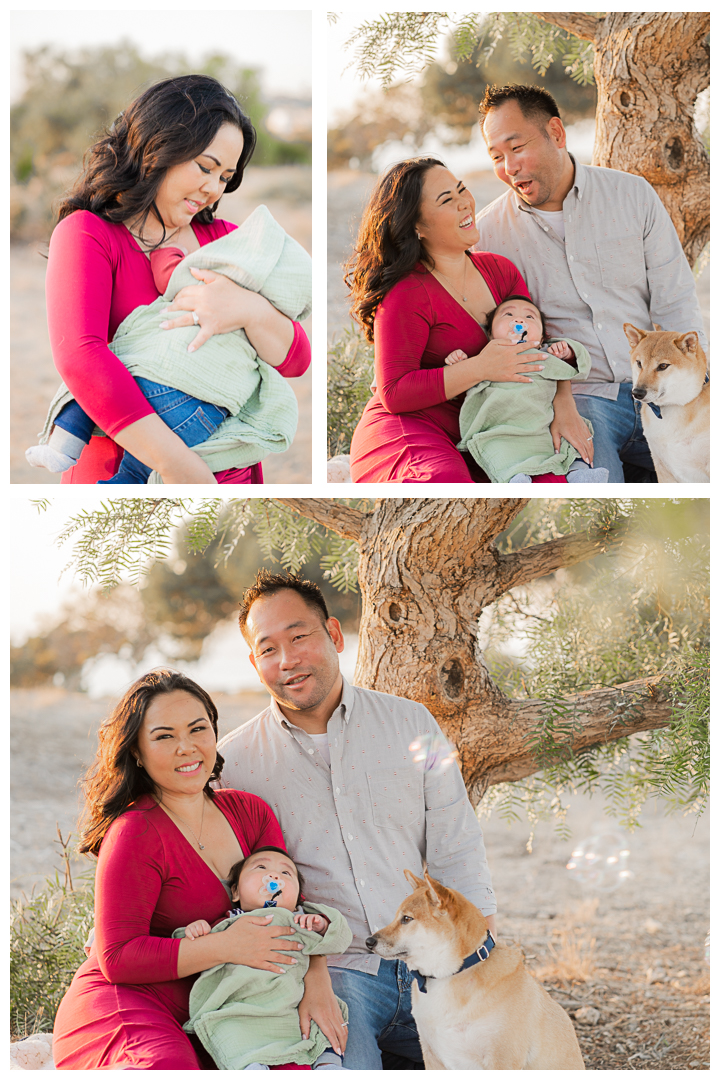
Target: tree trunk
649,69
428,568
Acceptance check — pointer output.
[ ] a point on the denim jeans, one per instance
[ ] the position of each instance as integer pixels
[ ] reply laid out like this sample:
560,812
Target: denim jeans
193,420
380,1017
618,437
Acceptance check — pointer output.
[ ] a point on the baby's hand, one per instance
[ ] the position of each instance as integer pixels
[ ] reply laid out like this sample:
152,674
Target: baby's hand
318,923
562,350
455,357
197,929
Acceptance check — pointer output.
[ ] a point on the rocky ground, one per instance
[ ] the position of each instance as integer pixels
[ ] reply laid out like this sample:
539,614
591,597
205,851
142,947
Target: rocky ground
627,964
285,191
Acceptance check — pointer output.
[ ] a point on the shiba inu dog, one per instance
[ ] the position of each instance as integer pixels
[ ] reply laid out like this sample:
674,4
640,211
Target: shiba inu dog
475,1005
670,379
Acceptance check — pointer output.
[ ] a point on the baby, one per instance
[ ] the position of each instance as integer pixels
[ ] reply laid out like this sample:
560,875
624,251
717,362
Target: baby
508,435
246,1017
73,427
225,385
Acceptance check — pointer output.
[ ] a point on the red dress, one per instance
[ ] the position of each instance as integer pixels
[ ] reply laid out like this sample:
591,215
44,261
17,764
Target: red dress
96,276
409,430
126,1006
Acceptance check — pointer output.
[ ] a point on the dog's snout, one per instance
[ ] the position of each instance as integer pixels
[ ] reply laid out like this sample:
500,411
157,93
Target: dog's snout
639,392
370,943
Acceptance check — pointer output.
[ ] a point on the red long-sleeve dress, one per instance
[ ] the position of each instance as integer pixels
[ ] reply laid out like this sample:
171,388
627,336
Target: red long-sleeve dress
96,275
126,1006
409,430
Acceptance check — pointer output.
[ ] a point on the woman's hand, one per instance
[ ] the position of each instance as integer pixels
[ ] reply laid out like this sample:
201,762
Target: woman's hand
569,424
320,1004
221,306
497,362
152,442
249,940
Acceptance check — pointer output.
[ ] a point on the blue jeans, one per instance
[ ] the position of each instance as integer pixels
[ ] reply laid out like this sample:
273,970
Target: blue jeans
380,1017
618,435
193,420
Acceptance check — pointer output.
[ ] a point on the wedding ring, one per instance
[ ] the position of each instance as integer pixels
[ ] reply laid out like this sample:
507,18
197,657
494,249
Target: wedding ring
195,318
589,438
344,1025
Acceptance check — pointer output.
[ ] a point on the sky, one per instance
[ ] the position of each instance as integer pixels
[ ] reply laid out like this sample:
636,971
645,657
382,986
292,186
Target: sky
278,42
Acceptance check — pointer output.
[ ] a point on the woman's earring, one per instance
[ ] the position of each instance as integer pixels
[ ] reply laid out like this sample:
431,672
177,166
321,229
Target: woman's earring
139,763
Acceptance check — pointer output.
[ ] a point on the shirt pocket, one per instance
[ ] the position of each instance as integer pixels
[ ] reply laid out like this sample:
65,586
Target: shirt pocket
622,262
396,797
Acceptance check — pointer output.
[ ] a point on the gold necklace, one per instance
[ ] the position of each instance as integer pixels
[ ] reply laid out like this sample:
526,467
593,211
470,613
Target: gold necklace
202,819
452,287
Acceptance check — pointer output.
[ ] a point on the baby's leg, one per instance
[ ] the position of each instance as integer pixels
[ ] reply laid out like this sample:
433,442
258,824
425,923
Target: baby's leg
330,1060
580,473
69,437
193,420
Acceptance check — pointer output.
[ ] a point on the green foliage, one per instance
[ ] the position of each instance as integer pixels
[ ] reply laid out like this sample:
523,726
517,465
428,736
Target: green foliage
350,372
638,610
47,934
405,42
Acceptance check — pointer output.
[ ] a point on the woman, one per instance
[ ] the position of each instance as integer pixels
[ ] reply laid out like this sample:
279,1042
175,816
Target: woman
154,181
165,840
420,295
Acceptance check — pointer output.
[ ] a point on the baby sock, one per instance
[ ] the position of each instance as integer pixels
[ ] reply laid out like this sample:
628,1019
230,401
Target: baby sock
256,1065
59,453
329,1060
580,473
520,478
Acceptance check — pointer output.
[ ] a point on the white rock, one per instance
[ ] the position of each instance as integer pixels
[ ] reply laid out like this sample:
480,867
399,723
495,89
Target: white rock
34,1052
338,469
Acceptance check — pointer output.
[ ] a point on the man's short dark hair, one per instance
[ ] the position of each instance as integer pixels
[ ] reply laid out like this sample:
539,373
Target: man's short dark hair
236,869
267,584
535,103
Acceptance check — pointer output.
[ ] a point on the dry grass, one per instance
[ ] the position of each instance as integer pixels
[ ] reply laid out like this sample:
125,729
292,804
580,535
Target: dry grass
574,951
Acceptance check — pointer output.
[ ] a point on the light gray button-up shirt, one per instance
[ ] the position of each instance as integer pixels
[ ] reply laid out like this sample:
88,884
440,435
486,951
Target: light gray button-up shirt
621,261
353,827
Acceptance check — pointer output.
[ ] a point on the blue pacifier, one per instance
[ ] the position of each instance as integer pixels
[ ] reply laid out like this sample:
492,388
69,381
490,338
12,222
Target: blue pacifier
518,330
274,887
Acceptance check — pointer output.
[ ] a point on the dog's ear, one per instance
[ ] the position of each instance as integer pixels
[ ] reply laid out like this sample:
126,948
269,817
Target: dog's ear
439,895
413,879
633,335
657,326
688,343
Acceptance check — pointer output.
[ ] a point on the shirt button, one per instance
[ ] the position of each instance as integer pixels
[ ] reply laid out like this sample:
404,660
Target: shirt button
585,295
362,882
599,326
570,258
545,228
349,836
337,790
311,751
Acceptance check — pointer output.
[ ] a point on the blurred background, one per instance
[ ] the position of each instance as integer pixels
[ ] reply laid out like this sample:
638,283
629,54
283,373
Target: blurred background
434,112
70,77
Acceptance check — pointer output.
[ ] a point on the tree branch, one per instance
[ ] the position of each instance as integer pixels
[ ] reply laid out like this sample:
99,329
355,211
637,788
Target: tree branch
541,559
602,716
575,22
341,519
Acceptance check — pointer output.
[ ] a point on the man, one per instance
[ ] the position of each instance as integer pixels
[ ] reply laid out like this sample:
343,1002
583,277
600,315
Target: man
596,248
333,762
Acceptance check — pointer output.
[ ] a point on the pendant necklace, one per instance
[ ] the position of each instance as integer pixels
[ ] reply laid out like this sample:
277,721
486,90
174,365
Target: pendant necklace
202,819
460,293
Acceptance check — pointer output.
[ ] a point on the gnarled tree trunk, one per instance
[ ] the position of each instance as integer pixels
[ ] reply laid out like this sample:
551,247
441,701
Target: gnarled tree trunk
649,69
428,568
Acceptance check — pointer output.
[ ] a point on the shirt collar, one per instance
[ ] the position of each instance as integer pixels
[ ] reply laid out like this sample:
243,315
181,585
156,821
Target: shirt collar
342,712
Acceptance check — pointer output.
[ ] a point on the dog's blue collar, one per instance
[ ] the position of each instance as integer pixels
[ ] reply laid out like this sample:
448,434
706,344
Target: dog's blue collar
480,954
656,408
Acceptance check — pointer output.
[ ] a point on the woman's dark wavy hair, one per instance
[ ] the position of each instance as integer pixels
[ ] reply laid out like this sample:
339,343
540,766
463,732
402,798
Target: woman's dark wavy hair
169,124
114,780
387,246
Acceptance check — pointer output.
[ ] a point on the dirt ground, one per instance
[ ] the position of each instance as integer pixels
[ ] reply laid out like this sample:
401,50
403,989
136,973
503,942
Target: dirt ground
348,191
628,965
286,191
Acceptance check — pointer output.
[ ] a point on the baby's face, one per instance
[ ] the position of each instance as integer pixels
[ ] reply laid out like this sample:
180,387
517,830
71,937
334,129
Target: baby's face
251,891
513,311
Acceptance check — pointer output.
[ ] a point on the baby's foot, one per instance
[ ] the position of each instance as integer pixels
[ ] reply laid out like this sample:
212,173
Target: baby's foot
44,457
520,478
583,475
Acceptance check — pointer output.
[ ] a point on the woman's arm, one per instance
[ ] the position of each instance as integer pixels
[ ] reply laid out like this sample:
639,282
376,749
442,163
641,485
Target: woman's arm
249,940
79,287
497,362
221,306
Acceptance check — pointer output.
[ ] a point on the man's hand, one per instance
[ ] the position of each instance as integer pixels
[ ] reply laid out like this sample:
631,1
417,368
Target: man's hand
320,1004
569,424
